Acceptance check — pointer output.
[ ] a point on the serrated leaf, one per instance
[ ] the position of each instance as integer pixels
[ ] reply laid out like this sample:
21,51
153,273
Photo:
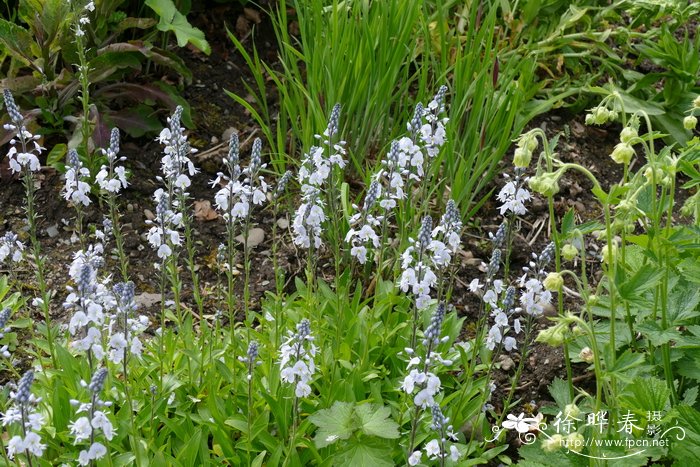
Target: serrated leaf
362,454
376,421
172,20
647,394
559,389
645,278
333,424
656,335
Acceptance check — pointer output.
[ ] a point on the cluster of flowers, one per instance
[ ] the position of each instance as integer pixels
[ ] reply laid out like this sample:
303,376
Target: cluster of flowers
77,189
431,251
4,327
436,448
26,156
421,375
87,426
251,358
11,247
83,19
164,233
89,301
537,284
297,355
316,168
24,412
124,340
234,198
112,178
404,163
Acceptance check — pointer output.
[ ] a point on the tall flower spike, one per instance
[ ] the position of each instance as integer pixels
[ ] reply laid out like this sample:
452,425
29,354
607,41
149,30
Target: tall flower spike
24,413
76,190
297,355
282,184
86,428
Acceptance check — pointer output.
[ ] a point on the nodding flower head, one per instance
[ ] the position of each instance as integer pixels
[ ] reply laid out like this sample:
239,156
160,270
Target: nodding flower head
372,195
332,128
24,388
494,264
12,109
425,234
282,184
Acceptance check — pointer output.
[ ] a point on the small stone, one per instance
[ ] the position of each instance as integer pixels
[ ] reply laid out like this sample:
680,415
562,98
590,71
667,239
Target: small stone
52,231
265,283
214,140
506,362
130,207
226,135
147,299
282,223
255,237
149,214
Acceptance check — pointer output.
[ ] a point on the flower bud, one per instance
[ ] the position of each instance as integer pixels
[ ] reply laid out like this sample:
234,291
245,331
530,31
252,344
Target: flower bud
553,336
600,115
553,443
627,134
572,411
608,255
546,184
690,122
575,442
528,141
622,154
586,354
569,252
522,157
696,102
593,299
553,282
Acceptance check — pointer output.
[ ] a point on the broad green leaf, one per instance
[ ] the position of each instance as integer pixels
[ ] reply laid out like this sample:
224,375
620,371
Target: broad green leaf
645,278
333,424
172,20
365,455
376,421
647,395
656,335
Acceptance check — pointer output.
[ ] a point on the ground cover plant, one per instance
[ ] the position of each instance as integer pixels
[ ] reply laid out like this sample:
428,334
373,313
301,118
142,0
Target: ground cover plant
383,340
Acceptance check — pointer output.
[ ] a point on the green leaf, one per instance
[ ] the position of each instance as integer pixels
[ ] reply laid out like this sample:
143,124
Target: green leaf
645,278
559,389
17,40
376,421
656,335
363,454
172,20
646,395
333,424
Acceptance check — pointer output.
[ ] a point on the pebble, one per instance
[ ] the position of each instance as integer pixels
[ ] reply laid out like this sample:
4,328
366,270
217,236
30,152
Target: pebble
506,363
255,237
282,222
226,135
214,140
149,214
52,231
130,207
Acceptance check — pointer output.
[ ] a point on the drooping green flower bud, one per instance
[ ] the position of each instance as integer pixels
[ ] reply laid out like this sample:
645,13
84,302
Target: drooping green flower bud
553,282
569,252
627,134
546,184
522,157
622,154
690,122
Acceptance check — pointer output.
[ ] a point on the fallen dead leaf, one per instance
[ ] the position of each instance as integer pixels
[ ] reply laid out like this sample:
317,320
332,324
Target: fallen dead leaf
204,212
